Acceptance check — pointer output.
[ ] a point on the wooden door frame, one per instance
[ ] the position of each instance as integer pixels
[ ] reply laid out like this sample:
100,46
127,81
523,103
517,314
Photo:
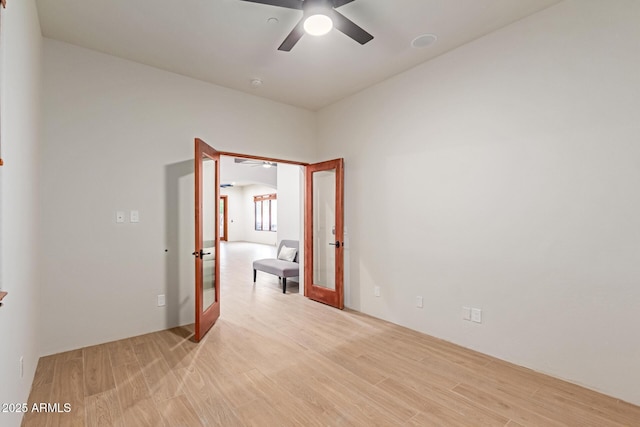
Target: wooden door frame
262,158
225,225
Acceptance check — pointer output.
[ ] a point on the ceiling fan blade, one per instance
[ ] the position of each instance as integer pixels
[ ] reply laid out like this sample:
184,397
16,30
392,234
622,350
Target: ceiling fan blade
348,27
338,3
289,4
293,37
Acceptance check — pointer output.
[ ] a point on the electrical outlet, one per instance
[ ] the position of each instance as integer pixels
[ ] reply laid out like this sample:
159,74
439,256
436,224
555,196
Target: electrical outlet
21,366
419,302
476,315
466,313
161,301
376,291
134,216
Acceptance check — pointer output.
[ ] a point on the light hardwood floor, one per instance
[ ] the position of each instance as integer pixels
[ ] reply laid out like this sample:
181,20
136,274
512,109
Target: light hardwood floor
282,360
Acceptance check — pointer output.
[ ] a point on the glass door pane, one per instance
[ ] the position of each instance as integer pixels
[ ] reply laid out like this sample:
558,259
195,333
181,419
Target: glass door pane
324,229
209,232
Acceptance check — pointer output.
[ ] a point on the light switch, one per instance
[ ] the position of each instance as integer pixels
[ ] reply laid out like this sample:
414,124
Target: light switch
120,216
135,216
476,315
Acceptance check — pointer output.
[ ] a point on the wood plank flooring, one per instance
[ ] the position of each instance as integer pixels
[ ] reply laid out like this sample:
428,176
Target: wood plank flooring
282,360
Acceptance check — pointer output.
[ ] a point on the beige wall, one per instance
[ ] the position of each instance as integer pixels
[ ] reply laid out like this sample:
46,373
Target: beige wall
20,246
504,176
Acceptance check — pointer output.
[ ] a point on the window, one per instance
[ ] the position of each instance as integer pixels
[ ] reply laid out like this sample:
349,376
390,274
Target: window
266,212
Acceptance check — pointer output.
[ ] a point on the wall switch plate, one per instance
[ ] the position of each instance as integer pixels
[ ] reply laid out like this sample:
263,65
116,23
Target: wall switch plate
476,315
419,302
466,313
376,291
21,366
134,216
119,216
161,301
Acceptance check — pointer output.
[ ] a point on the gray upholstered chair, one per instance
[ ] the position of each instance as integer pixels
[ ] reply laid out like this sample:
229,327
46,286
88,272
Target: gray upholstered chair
279,267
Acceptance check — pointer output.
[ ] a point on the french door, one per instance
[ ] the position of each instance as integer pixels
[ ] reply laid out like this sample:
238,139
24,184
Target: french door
207,260
324,233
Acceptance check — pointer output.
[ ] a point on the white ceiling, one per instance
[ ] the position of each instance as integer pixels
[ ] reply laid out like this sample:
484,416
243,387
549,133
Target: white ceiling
230,42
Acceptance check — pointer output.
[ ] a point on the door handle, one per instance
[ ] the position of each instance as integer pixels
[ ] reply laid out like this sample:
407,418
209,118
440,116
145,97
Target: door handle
336,244
200,254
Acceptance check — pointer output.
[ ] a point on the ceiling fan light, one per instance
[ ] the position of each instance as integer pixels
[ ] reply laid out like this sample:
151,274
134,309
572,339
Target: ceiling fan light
318,25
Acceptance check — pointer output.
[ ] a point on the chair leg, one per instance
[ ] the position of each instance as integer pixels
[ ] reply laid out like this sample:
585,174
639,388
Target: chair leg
284,285
254,275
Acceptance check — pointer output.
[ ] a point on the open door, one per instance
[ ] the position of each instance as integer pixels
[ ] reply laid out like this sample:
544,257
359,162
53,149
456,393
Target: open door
207,176
324,233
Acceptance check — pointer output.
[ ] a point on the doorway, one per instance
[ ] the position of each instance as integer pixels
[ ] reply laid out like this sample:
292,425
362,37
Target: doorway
321,235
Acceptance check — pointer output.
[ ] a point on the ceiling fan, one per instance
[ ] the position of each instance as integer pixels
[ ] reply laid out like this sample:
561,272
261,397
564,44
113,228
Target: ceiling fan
318,17
254,163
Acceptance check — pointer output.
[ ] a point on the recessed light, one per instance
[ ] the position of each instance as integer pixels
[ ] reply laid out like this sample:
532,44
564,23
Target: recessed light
256,82
273,20
424,40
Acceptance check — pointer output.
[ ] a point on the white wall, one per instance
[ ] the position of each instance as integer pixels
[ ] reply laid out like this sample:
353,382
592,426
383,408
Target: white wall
504,176
19,210
289,199
291,209
119,136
